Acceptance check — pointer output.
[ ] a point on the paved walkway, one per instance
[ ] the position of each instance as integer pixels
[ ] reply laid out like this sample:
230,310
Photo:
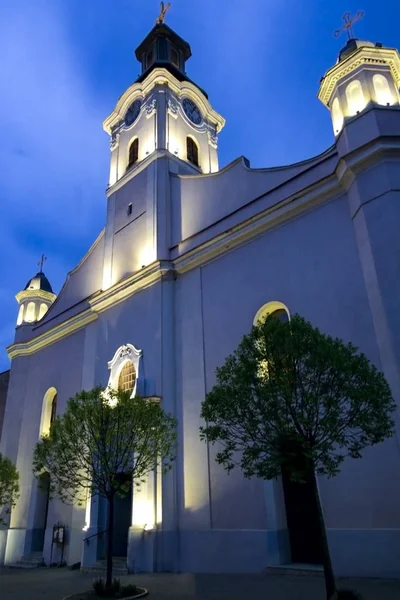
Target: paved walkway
55,584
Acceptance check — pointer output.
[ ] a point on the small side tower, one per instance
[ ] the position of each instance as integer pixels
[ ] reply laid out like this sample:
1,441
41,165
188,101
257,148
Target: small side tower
35,299
364,74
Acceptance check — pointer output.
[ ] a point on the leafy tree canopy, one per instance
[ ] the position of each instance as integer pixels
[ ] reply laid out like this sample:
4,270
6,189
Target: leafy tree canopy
289,387
102,434
9,487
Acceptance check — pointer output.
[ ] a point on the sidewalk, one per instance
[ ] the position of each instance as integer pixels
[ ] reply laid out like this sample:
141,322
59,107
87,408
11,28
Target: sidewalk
55,584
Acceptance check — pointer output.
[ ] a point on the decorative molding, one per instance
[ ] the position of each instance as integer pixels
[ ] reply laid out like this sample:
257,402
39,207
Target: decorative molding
53,335
125,353
212,138
151,107
129,286
365,55
160,77
114,140
35,295
173,107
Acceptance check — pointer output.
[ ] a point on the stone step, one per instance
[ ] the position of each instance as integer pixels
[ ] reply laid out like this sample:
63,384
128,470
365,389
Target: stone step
27,564
119,566
296,570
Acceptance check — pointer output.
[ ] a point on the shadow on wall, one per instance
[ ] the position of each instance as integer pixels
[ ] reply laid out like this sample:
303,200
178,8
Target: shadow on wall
4,380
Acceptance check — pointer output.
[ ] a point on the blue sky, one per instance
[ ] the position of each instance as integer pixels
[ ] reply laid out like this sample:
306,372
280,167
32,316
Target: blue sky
64,63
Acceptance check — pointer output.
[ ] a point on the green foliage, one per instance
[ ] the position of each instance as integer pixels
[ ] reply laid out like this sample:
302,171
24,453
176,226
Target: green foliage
115,590
129,590
9,487
290,388
102,434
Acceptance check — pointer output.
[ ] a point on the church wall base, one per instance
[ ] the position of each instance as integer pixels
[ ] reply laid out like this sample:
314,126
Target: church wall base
355,553
3,544
141,550
17,542
223,551
365,552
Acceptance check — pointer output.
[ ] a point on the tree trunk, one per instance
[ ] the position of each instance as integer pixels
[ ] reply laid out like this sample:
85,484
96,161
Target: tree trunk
110,531
330,586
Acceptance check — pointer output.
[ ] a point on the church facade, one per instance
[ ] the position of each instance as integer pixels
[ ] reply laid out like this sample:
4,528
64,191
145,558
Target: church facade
190,257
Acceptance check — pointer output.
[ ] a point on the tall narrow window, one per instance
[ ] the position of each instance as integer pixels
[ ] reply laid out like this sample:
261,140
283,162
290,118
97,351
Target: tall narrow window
127,377
133,152
175,57
43,310
30,312
382,90
192,151
355,98
53,410
149,59
337,116
20,314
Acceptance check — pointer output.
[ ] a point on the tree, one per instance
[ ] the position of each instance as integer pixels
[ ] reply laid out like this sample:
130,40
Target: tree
102,435
287,391
9,487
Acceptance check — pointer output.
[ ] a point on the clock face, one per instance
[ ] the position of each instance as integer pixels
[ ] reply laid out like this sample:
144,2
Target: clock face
191,111
133,112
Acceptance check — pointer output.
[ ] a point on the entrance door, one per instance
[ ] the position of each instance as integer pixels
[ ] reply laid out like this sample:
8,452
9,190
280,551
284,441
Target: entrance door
122,521
41,510
302,518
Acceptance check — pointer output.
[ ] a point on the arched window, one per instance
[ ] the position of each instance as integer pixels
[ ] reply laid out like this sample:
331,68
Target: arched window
355,98
30,312
20,314
276,309
337,116
49,411
42,310
53,410
192,151
127,377
133,152
383,94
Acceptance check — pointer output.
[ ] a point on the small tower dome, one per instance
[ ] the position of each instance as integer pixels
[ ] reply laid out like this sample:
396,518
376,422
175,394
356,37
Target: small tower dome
35,299
364,74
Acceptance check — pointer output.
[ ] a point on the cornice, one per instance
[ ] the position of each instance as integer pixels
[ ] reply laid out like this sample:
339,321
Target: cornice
129,286
252,228
35,295
53,335
159,77
321,192
364,56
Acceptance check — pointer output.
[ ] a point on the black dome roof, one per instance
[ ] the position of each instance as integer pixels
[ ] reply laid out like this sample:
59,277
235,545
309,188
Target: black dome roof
39,282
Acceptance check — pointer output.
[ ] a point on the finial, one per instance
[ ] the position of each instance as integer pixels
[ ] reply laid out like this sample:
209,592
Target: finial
41,262
348,24
163,12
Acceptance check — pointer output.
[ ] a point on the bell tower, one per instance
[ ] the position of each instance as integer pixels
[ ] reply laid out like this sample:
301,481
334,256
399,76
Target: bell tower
365,74
163,110
162,126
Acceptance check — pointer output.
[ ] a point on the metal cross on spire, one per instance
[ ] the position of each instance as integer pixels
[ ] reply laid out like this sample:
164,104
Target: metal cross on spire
41,262
163,11
348,24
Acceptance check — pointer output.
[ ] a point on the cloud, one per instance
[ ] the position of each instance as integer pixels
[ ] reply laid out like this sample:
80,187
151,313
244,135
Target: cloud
53,156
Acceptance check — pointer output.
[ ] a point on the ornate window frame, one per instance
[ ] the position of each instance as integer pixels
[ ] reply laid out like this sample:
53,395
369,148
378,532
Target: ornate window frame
125,353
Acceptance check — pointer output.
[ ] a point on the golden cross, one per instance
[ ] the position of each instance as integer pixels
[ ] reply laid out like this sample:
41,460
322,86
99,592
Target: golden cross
41,262
348,23
163,12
